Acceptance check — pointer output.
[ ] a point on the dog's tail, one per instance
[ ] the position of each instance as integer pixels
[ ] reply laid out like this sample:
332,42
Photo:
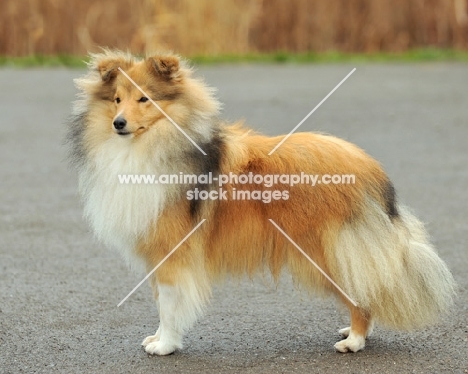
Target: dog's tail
388,266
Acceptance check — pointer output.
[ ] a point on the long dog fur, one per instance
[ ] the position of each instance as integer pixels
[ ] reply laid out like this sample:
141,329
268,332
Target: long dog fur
372,247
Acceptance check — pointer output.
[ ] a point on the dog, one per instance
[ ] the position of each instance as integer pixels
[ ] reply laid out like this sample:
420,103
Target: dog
150,116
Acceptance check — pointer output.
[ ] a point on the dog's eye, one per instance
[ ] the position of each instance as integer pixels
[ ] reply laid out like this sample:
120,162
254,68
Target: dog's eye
143,100
117,100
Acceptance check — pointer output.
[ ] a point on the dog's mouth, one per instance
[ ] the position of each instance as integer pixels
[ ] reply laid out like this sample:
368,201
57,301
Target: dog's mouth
123,132
137,132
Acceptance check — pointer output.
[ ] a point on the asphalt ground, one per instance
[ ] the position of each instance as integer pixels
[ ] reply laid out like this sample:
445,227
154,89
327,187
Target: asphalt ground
59,288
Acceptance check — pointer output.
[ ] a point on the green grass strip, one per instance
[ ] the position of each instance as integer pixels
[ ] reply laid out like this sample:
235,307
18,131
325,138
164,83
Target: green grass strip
416,55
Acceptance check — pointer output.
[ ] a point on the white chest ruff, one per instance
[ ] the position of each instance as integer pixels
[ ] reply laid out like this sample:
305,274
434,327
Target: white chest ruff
120,213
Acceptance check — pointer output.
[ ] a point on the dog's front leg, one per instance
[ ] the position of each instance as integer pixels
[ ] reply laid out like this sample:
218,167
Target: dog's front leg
155,337
168,338
181,301
152,338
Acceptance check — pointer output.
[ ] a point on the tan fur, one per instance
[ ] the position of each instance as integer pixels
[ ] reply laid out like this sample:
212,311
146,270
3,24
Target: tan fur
382,259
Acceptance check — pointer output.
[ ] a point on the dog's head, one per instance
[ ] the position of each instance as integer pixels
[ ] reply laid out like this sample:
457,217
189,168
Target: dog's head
137,89
137,95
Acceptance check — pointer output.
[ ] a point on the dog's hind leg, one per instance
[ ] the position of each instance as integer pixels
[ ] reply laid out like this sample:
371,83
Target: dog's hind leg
361,327
345,331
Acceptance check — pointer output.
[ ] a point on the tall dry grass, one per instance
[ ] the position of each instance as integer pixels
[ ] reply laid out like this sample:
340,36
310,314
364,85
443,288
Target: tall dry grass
230,26
361,25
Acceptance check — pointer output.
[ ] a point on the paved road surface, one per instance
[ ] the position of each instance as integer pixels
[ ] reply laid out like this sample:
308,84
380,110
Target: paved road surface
59,288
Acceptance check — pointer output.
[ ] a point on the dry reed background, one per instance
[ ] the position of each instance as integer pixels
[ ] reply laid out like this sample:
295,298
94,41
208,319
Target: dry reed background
210,27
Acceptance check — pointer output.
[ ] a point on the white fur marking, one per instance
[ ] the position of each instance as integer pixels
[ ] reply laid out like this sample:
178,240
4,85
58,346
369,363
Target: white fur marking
120,213
151,338
391,269
352,343
179,307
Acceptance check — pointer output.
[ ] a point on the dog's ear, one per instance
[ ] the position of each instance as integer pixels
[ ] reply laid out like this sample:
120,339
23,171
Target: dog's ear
107,63
166,67
108,69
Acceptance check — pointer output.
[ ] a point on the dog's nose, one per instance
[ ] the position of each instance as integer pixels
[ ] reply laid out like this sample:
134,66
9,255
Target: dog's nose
120,123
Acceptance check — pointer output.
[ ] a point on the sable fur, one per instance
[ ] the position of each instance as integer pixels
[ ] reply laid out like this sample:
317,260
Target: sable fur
370,245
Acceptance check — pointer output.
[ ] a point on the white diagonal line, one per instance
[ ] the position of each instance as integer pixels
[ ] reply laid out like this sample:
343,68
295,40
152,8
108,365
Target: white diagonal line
162,261
163,112
312,111
314,263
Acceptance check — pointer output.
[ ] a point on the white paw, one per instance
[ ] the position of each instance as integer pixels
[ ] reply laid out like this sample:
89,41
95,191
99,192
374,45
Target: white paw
351,344
345,331
150,339
159,348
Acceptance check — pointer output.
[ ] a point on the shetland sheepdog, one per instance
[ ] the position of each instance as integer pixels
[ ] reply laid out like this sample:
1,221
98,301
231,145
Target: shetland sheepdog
164,122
